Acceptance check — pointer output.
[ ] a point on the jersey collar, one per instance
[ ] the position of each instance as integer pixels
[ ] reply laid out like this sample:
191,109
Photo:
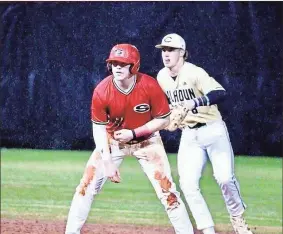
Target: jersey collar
129,90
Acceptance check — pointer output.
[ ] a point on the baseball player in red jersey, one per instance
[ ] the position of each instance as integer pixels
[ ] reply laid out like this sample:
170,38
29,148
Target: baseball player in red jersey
204,134
128,109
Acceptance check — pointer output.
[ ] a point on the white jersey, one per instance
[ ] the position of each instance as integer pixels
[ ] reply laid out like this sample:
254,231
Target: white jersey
191,82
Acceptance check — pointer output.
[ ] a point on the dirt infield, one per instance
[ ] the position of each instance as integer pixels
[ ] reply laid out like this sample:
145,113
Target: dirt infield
48,227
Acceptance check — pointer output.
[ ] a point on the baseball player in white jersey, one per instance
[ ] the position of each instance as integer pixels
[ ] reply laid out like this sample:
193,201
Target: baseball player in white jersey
204,134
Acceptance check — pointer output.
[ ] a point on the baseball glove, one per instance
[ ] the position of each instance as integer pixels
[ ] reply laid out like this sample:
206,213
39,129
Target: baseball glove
178,113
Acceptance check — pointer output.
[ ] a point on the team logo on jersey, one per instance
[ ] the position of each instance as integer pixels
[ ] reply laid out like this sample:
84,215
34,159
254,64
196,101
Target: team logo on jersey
142,108
119,53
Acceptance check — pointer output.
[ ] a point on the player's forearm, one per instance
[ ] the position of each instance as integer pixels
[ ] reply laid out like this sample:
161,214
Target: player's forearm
211,98
101,140
157,124
151,127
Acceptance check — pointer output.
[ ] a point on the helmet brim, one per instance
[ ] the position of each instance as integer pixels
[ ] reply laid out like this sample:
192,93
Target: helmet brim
118,59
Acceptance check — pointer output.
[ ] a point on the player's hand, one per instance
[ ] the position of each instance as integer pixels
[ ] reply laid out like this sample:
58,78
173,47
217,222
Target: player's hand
111,171
123,135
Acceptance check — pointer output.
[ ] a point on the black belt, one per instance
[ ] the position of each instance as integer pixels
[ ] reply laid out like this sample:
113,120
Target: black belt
198,125
139,140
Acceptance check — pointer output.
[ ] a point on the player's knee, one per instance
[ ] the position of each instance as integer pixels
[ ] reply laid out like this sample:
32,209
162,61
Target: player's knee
94,159
171,200
223,179
189,186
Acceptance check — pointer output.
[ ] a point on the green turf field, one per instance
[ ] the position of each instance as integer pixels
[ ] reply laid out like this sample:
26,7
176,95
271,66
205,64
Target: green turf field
40,184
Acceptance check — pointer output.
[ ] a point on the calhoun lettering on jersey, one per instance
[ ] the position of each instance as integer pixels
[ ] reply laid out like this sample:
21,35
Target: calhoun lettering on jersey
180,95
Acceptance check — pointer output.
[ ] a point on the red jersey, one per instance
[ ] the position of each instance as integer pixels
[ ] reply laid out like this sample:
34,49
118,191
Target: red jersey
118,109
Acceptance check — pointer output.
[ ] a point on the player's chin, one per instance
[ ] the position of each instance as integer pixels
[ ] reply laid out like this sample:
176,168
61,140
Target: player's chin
120,77
168,65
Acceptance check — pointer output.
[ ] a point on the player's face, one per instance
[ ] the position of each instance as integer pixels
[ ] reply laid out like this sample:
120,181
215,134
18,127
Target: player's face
121,71
171,56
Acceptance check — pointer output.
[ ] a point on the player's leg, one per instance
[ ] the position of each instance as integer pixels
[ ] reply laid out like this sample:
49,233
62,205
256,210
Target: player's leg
222,159
157,169
191,161
91,183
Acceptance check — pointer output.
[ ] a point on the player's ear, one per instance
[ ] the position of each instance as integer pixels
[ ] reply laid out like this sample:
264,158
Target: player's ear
182,53
186,55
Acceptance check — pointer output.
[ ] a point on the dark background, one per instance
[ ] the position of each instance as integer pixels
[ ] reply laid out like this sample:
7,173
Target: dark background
53,55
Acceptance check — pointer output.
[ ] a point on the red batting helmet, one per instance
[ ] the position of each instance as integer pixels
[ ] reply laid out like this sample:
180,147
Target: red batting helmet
125,53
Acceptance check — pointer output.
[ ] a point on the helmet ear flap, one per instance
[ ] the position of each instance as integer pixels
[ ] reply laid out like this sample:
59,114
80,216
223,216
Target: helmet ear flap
134,68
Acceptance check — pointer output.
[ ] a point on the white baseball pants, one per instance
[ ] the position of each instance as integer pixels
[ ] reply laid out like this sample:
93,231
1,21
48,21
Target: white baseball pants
196,145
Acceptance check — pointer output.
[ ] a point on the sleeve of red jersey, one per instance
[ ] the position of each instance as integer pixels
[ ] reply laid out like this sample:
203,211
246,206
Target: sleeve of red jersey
98,110
159,103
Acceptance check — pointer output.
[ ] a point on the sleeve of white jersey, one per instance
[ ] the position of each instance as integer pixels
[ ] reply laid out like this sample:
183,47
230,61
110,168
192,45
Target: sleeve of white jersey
206,83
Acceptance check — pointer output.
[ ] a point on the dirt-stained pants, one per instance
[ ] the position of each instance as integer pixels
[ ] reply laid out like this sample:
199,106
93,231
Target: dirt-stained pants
154,162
